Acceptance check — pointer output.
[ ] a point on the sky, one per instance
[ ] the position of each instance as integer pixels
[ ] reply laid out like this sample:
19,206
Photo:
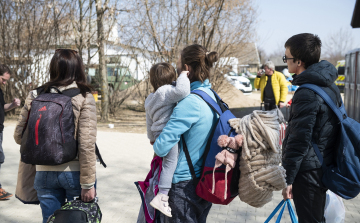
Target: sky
278,20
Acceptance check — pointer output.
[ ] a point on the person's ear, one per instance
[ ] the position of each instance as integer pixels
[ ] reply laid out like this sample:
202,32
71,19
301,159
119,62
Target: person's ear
187,68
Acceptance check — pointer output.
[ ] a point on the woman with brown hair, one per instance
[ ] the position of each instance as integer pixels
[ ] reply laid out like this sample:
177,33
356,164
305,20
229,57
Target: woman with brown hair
193,119
56,183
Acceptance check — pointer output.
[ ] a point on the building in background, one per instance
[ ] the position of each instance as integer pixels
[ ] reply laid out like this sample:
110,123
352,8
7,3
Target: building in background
248,59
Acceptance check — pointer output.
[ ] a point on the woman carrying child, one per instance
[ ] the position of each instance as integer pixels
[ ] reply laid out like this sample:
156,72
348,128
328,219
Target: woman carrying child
193,119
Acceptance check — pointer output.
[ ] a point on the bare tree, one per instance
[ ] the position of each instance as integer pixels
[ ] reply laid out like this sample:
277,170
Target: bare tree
336,45
100,12
262,55
90,36
84,30
159,29
31,30
28,33
96,37
154,31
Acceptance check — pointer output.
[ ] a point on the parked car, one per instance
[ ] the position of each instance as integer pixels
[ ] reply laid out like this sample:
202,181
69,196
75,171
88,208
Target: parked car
240,82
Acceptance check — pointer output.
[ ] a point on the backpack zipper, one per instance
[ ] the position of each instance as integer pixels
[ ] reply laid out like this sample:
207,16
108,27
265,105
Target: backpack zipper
37,131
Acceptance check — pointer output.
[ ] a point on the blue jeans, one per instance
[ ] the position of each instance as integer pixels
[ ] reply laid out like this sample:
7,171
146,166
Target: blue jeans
54,187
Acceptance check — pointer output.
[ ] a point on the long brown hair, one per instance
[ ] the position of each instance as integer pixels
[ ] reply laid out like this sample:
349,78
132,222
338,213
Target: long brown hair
200,61
66,67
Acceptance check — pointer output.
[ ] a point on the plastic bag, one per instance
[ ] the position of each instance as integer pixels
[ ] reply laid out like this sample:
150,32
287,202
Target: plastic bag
334,208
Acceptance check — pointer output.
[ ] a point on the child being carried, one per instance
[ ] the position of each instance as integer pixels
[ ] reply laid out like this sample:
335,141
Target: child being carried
159,107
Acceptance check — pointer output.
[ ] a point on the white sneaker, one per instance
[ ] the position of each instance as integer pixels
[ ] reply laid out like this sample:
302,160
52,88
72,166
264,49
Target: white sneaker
160,202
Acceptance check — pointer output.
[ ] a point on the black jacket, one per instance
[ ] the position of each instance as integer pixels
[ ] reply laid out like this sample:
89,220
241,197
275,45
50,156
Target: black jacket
311,119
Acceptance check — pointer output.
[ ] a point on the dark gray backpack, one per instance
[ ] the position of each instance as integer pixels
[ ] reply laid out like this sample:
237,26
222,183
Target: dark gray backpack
48,136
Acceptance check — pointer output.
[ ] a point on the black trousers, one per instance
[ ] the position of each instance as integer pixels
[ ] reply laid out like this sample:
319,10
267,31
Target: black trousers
269,104
186,206
2,155
309,196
